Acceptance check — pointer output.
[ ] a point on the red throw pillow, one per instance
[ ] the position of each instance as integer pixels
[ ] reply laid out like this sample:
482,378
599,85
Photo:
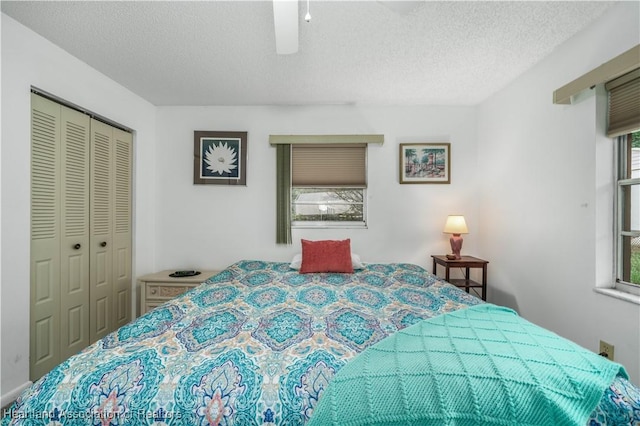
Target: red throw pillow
326,256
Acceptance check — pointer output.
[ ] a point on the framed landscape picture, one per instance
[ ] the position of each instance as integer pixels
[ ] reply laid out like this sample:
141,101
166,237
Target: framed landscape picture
425,163
220,158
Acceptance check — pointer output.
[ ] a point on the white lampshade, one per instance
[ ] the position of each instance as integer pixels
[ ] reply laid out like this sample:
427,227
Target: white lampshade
455,225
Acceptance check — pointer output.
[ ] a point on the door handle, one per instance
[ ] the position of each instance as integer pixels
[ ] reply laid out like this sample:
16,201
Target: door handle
103,244
77,246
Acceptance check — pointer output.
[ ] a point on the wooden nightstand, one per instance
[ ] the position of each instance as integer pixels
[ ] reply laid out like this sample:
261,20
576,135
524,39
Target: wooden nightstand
155,289
466,262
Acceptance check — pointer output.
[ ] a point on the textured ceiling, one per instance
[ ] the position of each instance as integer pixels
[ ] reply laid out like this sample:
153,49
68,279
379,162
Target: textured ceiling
352,52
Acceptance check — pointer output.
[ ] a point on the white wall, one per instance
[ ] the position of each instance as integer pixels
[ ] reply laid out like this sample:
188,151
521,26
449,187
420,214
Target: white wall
544,195
211,226
29,60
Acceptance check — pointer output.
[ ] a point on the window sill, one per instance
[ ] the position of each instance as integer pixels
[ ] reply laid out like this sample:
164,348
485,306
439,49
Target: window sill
618,294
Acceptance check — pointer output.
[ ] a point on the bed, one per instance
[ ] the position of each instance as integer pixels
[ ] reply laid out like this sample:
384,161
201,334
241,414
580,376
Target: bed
257,344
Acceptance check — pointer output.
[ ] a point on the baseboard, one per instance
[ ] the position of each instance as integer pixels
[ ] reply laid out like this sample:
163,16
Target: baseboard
11,396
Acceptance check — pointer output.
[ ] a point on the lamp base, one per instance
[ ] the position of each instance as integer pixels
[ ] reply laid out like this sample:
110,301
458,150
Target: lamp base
456,245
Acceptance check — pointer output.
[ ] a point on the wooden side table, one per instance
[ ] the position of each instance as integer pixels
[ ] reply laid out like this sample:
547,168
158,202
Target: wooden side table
155,289
466,262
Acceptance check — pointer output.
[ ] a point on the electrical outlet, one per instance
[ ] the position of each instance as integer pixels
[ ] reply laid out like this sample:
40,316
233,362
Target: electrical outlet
606,348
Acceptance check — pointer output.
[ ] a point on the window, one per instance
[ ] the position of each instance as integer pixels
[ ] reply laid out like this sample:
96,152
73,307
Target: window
328,207
328,185
628,212
321,181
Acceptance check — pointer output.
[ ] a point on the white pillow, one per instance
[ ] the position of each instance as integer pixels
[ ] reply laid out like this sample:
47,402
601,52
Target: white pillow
296,263
356,262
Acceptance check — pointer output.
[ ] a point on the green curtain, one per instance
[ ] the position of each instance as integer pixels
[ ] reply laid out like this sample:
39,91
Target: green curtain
283,194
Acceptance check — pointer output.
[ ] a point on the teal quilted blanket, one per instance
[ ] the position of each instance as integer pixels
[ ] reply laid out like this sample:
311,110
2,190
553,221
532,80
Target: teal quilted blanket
483,365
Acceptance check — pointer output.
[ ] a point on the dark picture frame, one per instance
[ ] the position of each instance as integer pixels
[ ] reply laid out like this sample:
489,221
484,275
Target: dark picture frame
425,163
219,158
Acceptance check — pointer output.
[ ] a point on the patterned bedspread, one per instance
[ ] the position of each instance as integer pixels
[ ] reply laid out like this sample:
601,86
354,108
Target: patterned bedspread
255,344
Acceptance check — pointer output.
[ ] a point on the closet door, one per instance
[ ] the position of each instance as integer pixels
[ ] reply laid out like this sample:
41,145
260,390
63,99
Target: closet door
80,277
45,237
74,220
122,166
59,234
101,224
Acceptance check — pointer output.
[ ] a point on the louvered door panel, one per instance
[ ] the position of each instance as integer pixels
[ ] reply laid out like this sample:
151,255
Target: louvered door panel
101,281
45,240
74,250
122,166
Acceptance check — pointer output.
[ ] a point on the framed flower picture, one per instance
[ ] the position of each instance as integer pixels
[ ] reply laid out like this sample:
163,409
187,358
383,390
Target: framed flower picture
220,158
425,163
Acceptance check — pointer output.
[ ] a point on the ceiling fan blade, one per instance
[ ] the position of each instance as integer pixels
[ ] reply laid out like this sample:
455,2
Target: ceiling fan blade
285,20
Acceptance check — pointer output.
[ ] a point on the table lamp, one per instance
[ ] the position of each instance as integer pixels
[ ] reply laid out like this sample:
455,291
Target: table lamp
455,225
